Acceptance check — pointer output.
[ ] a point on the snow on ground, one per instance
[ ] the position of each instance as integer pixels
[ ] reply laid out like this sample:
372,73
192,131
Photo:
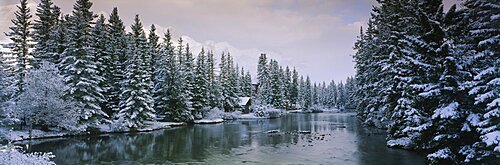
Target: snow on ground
209,121
19,135
13,155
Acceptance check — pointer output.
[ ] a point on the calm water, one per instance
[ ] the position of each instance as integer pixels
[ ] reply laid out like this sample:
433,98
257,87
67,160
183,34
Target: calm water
334,139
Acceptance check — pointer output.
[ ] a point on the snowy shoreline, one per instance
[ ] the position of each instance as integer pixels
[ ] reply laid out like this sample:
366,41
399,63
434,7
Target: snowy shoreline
23,135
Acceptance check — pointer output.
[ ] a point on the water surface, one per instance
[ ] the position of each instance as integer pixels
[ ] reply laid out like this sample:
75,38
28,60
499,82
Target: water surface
333,139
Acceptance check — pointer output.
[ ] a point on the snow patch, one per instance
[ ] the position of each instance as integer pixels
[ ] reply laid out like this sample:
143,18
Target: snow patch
208,121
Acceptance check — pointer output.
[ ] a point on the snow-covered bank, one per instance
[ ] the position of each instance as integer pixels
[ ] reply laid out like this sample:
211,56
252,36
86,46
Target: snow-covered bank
20,135
13,155
209,121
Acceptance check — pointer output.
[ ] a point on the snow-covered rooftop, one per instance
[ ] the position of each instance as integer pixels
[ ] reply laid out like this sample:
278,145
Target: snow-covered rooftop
243,101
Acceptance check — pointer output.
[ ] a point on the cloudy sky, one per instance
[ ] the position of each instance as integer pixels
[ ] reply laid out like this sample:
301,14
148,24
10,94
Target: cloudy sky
315,36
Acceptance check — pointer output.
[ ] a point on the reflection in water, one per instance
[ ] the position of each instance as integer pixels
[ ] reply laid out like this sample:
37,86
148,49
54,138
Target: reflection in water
334,139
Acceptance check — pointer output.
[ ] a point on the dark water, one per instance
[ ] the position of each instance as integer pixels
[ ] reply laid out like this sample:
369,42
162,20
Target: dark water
334,139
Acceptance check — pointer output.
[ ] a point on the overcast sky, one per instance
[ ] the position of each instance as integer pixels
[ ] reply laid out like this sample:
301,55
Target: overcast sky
315,36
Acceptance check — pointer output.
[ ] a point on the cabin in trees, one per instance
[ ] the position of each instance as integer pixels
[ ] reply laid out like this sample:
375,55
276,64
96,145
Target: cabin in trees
244,104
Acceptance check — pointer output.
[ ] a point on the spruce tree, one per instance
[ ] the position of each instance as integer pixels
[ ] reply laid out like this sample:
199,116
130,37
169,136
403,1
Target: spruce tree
21,36
48,17
307,94
79,67
201,85
214,85
263,80
136,102
482,46
99,44
116,65
294,87
165,71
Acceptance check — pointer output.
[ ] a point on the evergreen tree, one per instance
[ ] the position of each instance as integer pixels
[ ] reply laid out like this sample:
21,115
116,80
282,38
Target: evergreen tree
79,67
214,85
187,72
276,87
21,36
482,46
136,103
201,84
341,96
263,80
294,87
226,79
99,43
116,65
179,105
165,70
307,93
48,15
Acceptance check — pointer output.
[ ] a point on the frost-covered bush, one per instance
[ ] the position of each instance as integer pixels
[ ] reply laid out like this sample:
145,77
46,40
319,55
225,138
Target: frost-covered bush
119,125
273,113
42,101
214,113
316,109
13,155
231,115
266,111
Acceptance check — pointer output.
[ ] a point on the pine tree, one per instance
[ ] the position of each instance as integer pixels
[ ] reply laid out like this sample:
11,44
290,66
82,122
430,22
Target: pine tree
201,84
214,85
341,96
187,71
99,44
263,80
21,36
276,85
287,84
307,93
116,66
482,46
294,87
179,105
227,82
315,95
48,15
165,71
79,67
136,103
157,64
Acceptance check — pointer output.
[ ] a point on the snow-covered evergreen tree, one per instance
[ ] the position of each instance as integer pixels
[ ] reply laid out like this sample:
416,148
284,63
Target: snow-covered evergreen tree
482,46
201,85
294,87
307,94
48,17
116,65
215,89
179,106
164,70
21,36
136,102
99,44
276,97
263,80
227,80
79,64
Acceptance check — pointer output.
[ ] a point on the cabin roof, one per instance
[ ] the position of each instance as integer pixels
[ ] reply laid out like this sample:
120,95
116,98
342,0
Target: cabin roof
243,101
